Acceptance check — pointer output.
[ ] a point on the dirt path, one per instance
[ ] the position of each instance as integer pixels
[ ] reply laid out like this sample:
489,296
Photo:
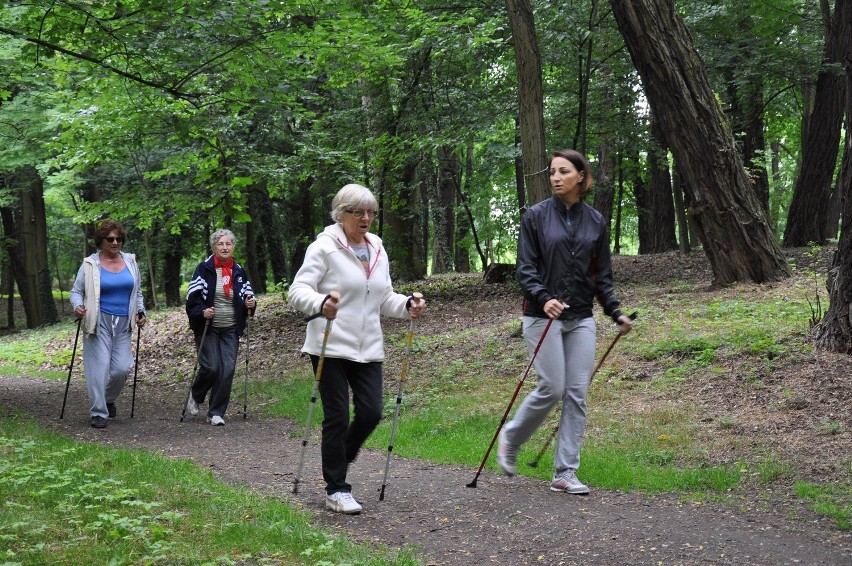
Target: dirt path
503,521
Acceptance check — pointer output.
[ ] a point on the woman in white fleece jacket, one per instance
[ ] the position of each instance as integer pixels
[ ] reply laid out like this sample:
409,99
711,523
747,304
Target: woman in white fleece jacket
347,259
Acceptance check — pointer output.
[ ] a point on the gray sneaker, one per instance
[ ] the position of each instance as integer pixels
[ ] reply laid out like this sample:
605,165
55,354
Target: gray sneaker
342,502
507,455
567,481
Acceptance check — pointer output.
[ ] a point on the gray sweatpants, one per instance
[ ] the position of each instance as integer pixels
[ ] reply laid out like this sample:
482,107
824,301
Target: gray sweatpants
564,366
107,361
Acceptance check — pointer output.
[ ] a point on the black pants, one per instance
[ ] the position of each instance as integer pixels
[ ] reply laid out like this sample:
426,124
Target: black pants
341,439
216,366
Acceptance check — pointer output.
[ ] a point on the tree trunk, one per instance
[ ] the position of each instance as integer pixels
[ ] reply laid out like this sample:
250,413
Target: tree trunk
172,257
403,225
656,206
443,218
725,211
807,219
604,187
10,289
834,332
306,226
530,100
29,223
684,226
271,224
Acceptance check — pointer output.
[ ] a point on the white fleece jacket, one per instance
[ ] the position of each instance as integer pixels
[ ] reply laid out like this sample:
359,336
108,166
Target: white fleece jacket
330,265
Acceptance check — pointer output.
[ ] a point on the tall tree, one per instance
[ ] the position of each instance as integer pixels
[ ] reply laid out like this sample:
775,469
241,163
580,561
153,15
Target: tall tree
808,218
530,100
726,213
655,203
834,332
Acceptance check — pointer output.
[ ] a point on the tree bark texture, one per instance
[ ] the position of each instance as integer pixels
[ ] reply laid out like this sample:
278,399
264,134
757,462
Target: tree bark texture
604,187
443,216
834,332
656,209
402,226
730,221
32,230
808,217
530,100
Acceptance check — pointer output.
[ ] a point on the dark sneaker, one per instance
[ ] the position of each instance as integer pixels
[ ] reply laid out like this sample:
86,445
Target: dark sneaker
111,410
99,422
567,481
507,455
342,502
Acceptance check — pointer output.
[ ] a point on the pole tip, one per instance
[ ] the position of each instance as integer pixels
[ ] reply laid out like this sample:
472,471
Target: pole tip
471,484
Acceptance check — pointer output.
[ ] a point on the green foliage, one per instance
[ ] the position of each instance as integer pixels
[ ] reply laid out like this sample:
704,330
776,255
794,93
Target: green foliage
72,503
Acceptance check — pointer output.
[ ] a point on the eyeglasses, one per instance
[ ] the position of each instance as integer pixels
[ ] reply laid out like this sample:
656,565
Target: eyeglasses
113,239
362,213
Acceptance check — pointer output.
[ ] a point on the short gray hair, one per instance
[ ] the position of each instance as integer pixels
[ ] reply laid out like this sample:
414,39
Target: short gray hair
350,197
219,234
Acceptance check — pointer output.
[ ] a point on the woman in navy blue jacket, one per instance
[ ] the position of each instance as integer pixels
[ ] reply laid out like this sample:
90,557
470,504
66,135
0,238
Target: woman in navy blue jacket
563,265
217,303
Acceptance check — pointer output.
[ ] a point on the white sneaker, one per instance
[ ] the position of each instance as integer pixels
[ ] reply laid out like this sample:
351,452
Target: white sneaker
567,481
507,455
216,420
342,502
192,406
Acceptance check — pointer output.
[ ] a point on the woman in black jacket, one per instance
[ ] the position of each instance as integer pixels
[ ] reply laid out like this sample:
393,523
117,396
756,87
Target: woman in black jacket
563,264
217,302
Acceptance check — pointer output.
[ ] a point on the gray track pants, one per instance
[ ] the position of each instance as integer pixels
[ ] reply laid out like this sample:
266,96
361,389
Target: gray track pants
564,366
106,361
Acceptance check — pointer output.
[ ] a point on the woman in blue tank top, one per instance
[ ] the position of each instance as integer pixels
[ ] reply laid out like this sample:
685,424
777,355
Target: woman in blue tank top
107,295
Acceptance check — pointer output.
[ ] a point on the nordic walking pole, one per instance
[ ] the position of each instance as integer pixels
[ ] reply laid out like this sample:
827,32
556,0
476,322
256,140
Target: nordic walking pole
514,396
550,438
135,371
195,369
417,297
245,377
334,296
70,367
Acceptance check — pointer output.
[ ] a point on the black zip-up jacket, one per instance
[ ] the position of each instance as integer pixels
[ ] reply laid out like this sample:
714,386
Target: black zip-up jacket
202,290
567,260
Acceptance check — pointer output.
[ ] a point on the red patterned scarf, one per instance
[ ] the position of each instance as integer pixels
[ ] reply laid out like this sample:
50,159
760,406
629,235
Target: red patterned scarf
227,284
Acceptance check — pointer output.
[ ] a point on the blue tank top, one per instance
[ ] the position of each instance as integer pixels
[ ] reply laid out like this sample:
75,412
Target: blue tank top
115,291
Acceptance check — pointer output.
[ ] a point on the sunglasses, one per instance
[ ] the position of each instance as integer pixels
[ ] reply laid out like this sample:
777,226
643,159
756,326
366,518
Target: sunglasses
113,239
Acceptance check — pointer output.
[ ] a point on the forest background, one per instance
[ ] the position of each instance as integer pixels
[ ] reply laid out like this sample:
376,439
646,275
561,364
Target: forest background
713,125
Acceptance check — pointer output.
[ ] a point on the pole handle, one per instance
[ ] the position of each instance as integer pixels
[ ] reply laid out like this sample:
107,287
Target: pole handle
332,295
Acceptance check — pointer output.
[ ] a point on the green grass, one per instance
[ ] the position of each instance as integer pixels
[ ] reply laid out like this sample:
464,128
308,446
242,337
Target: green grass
69,502
461,378
830,500
27,351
